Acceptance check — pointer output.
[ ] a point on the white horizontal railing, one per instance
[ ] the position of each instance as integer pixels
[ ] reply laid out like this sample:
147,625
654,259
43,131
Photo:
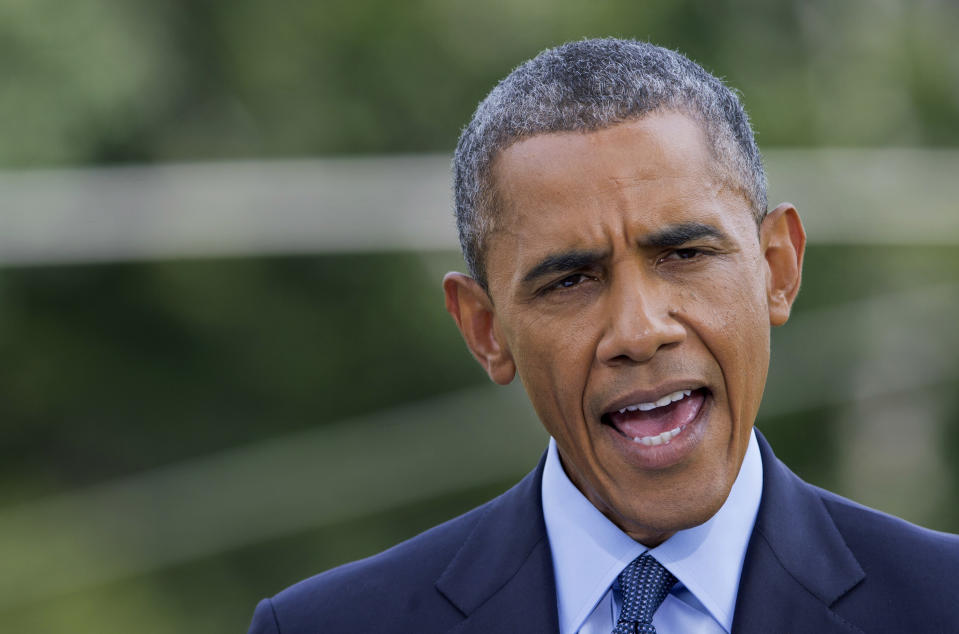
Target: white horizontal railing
847,196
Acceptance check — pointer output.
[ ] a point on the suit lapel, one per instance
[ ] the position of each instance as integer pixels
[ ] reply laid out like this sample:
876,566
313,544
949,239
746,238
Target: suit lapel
502,577
797,563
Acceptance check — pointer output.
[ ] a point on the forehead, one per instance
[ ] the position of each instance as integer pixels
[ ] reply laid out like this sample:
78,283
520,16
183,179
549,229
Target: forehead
659,145
645,172
652,145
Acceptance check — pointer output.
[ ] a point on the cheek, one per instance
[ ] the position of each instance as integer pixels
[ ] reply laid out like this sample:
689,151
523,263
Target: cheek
553,360
553,342
730,315
723,303
741,346
736,292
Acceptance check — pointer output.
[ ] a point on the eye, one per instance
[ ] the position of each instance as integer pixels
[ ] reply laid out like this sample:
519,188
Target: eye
687,253
569,281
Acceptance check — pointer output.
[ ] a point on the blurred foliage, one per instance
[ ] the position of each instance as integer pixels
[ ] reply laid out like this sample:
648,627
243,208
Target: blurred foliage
847,273
132,80
114,368
217,594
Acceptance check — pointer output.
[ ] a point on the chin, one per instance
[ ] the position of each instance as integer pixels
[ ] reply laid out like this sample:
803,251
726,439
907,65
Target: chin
661,516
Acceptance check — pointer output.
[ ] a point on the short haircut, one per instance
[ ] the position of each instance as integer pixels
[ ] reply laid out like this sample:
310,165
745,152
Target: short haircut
585,86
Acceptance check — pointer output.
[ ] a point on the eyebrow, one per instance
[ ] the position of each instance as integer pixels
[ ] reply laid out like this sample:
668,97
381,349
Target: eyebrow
671,236
680,234
563,262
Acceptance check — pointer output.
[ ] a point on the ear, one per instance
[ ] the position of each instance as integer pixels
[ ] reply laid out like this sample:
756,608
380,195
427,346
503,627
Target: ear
783,241
472,310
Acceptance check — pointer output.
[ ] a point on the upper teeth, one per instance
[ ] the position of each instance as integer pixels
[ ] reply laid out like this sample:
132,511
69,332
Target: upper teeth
662,402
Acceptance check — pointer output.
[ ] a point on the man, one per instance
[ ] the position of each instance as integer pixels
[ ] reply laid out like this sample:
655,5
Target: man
611,205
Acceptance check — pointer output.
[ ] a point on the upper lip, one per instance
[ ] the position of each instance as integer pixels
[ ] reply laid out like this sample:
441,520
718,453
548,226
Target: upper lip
649,395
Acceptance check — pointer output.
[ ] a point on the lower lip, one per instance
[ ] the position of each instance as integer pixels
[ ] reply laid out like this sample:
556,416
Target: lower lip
667,454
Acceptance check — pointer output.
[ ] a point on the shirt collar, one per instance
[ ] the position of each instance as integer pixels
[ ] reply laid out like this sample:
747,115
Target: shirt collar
589,551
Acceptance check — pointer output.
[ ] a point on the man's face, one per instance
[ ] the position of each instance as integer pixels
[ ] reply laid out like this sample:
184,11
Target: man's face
631,292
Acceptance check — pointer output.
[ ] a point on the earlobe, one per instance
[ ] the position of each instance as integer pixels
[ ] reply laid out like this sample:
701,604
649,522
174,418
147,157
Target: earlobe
783,243
472,310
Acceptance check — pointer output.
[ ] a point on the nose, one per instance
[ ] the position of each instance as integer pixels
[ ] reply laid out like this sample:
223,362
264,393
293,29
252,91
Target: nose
640,321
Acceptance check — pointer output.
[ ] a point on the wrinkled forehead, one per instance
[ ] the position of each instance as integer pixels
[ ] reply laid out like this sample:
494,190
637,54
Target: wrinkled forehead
708,150
610,193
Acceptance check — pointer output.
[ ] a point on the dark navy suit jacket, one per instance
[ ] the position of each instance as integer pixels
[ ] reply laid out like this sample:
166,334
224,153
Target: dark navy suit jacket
815,563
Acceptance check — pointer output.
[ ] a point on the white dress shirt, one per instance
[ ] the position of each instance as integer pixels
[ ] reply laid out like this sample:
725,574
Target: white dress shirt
589,552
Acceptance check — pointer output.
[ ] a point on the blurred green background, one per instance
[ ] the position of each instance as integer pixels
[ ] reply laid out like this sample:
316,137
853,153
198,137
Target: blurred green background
224,360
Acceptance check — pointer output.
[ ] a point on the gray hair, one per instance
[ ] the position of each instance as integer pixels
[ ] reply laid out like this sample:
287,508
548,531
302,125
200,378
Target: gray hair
586,86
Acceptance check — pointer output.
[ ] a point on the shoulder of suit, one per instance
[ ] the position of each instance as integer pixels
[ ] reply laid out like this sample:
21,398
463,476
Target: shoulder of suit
866,527
904,564
429,553
399,581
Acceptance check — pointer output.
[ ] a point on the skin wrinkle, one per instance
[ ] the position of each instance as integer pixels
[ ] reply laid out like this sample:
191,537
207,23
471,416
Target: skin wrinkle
723,181
587,86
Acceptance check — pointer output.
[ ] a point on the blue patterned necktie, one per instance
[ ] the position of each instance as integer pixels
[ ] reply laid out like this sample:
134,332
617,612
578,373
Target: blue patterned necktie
645,584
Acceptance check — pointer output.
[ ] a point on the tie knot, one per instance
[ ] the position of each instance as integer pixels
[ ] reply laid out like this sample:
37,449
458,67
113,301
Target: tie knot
645,584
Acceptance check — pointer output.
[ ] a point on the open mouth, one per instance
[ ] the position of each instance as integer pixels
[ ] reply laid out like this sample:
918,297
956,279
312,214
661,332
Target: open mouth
657,422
